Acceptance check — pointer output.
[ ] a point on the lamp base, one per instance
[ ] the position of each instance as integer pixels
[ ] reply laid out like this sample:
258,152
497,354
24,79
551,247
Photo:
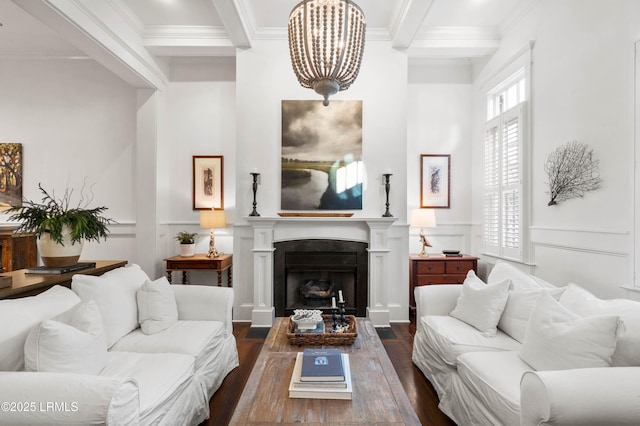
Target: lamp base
213,251
425,244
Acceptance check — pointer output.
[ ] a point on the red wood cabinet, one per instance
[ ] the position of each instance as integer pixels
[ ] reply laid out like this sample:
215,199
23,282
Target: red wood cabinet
438,269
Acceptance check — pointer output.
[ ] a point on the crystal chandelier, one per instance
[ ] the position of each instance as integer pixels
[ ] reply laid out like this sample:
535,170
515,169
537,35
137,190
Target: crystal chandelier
326,41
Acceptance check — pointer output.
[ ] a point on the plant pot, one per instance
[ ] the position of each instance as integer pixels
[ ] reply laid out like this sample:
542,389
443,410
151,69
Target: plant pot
187,250
55,255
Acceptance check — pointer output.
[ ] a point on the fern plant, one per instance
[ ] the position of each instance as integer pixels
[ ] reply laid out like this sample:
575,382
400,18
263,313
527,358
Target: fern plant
52,215
185,237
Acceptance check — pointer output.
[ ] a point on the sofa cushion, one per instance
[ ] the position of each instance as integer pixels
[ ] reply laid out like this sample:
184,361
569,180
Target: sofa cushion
558,339
450,338
195,338
161,378
115,294
582,302
480,304
516,312
520,280
494,379
19,316
157,309
72,342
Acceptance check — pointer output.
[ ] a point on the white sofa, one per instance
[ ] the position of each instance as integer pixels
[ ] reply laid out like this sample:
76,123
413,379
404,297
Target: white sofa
60,365
482,378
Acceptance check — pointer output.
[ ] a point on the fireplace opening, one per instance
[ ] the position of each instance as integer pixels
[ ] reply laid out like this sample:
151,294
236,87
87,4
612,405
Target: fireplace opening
308,273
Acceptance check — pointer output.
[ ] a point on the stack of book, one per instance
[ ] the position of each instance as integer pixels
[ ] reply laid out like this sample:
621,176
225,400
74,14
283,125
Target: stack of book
321,374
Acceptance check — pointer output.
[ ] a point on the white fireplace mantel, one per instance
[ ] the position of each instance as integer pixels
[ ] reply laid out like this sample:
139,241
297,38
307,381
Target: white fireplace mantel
268,230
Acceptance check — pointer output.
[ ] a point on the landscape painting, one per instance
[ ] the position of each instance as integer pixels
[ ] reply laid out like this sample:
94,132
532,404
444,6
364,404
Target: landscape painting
321,155
10,174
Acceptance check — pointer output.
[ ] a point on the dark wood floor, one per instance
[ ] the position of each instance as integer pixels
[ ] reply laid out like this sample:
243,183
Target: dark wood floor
421,394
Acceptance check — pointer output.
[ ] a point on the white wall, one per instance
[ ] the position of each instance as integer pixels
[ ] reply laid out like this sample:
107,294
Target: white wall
581,89
76,121
264,79
201,121
439,122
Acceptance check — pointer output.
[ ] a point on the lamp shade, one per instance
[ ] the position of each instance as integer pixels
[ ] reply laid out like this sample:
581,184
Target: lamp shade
213,219
423,218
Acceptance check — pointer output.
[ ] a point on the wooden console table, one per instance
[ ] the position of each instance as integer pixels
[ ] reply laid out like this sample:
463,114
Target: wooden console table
200,262
31,284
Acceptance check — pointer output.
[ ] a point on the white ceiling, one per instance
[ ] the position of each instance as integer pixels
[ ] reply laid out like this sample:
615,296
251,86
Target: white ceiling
168,28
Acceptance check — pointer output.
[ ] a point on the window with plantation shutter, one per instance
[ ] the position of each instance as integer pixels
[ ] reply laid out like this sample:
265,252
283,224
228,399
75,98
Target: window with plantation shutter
503,175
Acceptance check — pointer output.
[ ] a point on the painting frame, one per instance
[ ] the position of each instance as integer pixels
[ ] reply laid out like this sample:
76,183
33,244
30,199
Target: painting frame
11,170
208,182
435,181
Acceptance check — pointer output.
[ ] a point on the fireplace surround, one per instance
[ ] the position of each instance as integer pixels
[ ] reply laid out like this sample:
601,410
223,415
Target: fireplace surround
374,232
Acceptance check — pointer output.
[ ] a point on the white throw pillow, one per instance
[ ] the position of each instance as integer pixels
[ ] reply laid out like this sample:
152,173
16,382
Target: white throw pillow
19,316
480,305
157,309
72,342
115,295
516,312
520,280
582,302
558,339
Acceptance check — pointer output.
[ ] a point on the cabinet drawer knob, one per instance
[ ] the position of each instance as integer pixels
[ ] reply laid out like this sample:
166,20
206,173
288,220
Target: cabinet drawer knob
430,267
430,282
459,268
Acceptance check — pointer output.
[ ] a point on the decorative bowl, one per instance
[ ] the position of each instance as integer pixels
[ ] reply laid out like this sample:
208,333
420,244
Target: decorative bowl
306,319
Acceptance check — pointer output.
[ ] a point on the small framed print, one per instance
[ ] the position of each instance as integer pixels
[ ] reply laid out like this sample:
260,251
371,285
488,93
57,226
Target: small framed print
435,174
208,179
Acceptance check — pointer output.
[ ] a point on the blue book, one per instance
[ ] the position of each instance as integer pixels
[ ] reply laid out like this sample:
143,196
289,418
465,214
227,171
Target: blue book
322,365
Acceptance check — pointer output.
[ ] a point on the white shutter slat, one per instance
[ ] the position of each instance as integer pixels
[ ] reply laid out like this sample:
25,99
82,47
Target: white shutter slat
491,188
503,185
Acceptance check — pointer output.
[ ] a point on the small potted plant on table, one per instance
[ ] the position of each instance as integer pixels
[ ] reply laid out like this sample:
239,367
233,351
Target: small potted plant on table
187,242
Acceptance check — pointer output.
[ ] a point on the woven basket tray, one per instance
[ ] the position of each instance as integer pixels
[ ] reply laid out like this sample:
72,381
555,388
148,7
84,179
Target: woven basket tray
324,339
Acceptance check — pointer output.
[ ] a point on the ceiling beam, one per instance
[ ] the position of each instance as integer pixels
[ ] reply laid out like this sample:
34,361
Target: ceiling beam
101,33
455,42
413,13
234,22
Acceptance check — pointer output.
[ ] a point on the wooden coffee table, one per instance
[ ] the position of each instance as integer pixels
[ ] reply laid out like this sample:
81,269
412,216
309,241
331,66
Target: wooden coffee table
378,396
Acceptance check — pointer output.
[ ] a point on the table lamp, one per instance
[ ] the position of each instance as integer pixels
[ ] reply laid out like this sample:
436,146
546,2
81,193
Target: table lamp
423,218
212,219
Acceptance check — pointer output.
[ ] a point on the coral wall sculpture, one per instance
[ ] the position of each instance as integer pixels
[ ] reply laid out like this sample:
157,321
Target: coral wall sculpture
572,172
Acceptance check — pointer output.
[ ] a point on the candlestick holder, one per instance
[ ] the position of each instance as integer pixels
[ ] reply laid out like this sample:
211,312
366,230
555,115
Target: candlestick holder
387,187
255,190
343,320
334,316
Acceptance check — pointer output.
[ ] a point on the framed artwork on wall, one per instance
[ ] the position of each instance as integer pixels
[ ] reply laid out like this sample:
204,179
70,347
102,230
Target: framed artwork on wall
208,182
10,174
435,174
322,165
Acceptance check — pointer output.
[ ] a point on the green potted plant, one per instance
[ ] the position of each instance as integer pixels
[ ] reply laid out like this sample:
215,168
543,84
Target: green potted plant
187,242
60,227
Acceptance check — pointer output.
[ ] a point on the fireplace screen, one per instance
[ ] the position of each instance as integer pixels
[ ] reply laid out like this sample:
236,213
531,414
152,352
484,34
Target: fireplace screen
308,273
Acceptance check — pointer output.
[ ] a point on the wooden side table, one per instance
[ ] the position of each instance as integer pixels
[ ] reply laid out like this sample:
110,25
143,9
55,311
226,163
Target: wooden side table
200,262
438,269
